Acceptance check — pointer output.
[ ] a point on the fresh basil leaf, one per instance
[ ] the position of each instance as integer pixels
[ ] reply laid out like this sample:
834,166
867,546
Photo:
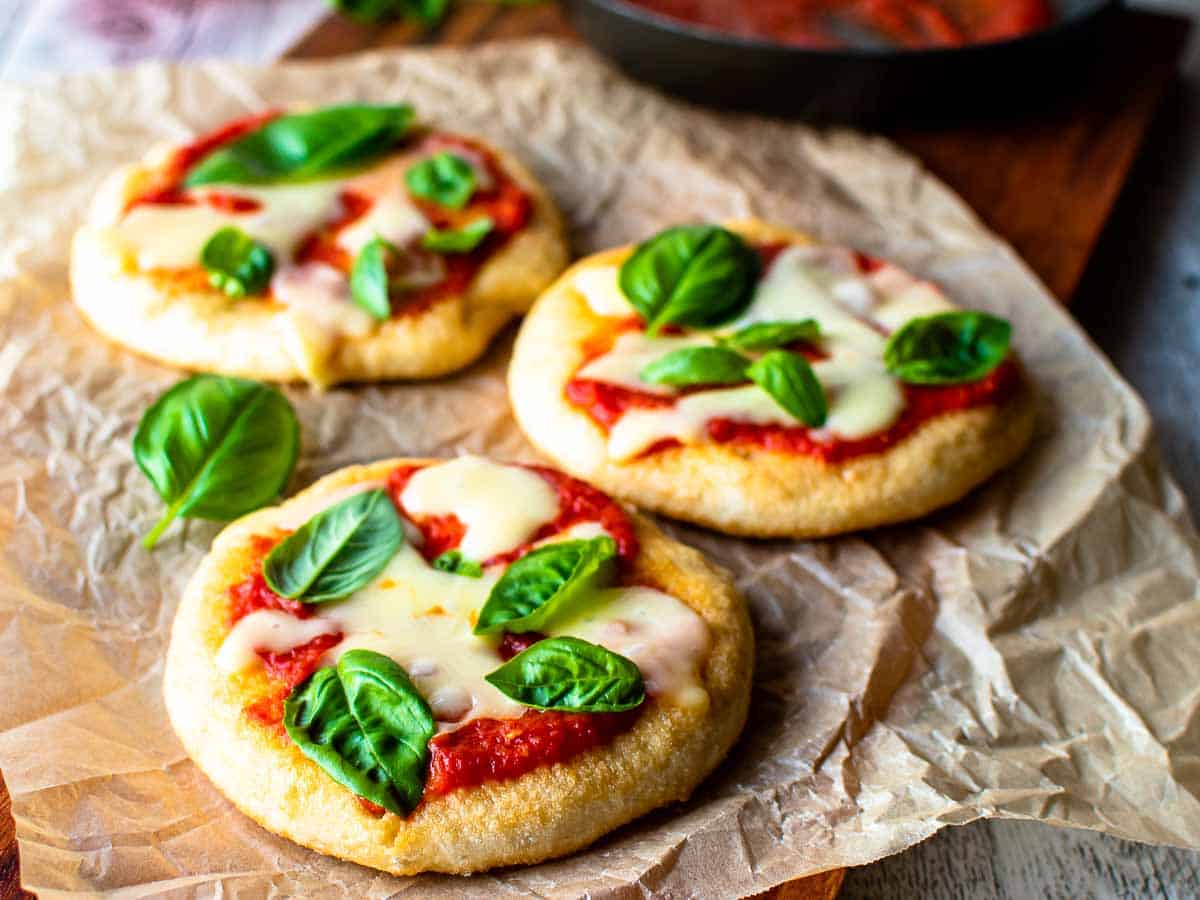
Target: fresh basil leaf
790,380
369,284
948,348
395,719
458,240
455,563
216,448
697,365
337,551
305,146
698,275
427,12
770,335
237,264
444,179
572,675
544,581
318,719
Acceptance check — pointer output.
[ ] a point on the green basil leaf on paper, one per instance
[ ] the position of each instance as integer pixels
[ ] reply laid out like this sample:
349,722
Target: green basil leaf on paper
458,240
697,275
771,335
237,264
369,284
948,348
318,719
697,365
571,675
395,719
791,382
216,448
455,563
337,551
545,581
305,146
444,179
427,12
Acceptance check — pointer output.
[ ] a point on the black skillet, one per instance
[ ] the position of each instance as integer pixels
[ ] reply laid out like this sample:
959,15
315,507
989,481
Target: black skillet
861,84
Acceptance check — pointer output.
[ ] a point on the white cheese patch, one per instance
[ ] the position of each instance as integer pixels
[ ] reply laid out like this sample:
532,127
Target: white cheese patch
170,236
600,288
855,313
631,352
269,630
392,217
500,506
662,635
321,293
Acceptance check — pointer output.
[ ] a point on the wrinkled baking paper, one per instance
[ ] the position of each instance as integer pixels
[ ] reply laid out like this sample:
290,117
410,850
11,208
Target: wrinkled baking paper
1033,652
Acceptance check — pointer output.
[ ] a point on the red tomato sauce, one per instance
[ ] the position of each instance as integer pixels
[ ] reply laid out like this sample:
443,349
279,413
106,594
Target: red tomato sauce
502,749
483,749
911,24
577,502
505,202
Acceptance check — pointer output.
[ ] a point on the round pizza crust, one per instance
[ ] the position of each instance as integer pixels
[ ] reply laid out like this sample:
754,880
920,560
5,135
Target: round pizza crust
177,318
548,812
743,490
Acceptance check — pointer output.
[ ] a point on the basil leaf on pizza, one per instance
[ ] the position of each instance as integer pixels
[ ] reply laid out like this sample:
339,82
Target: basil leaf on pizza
427,12
455,563
697,275
458,240
395,719
948,348
545,581
369,284
304,146
571,675
771,335
216,448
318,719
791,382
237,264
697,365
444,178
337,551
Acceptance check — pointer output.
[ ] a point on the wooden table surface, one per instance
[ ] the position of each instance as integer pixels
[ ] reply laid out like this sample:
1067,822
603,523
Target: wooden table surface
1078,169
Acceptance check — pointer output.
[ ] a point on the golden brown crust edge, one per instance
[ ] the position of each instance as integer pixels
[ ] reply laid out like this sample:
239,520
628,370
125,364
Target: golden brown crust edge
549,812
744,490
183,322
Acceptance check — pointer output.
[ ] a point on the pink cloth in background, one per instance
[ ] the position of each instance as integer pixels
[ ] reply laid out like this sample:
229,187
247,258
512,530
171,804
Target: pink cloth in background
76,35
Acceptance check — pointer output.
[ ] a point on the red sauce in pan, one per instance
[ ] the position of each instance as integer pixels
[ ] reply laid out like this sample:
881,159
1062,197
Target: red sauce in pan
849,23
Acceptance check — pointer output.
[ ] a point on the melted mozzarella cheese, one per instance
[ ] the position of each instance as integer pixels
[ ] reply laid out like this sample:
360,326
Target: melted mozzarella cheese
662,635
855,313
599,286
170,236
269,630
321,294
631,352
392,217
500,506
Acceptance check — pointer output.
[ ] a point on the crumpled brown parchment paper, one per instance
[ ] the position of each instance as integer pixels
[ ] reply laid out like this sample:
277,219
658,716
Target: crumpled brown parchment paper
1033,652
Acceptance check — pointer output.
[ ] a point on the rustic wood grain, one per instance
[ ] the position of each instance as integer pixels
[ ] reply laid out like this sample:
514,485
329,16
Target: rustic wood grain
1046,181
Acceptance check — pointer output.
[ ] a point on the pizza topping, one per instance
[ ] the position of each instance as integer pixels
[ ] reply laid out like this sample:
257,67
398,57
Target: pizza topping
444,178
545,582
500,507
813,343
458,240
305,146
318,295
216,448
454,562
571,675
699,275
369,287
337,551
268,631
948,348
237,265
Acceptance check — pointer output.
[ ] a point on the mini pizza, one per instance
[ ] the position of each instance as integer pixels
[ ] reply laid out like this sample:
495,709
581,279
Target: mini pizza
454,665
755,382
346,243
